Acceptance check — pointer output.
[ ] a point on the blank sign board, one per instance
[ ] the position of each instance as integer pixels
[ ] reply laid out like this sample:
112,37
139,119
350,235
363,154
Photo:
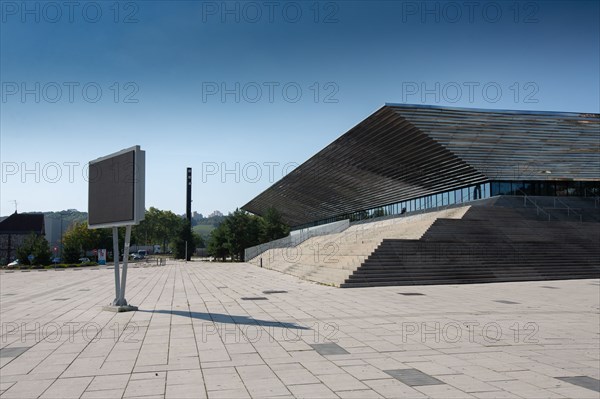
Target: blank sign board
116,189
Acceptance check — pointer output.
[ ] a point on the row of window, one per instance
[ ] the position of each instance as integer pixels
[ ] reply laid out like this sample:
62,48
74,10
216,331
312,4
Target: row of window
471,193
545,188
457,196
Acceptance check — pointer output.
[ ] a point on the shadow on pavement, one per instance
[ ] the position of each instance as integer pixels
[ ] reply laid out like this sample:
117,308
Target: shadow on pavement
225,318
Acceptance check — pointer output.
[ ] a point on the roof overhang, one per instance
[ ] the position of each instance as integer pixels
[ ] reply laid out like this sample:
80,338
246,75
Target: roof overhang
407,151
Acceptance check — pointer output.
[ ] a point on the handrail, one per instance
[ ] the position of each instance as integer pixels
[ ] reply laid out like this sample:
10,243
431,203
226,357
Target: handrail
538,208
594,195
296,238
569,209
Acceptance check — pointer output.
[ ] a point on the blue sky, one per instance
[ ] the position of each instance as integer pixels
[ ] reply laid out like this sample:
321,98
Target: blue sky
244,91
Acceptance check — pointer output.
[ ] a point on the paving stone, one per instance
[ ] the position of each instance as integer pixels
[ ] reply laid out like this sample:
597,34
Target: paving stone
583,381
296,377
329,349
67,388
466,383
365,372
103,394
392,388
312,391
145,387
13,351
442,391
413,377
192,391
361,394
109,382
229,394
342,382
27,389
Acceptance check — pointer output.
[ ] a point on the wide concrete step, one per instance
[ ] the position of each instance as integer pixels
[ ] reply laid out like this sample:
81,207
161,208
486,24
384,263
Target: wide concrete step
391,282
472,273
490,243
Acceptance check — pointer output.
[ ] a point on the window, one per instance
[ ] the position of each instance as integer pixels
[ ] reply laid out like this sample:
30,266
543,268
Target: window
486,190
504,188
562,189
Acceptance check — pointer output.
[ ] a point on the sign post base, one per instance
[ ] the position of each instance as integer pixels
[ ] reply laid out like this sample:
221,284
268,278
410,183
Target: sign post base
120,308
120,303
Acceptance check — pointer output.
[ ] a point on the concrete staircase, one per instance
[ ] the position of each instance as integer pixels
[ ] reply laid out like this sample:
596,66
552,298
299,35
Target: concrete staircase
331,259
497,240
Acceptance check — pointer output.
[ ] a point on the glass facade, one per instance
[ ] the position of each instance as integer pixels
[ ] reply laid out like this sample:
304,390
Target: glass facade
471,193
546,188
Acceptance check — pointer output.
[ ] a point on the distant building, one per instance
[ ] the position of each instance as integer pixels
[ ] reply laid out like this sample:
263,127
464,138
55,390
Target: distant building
15,229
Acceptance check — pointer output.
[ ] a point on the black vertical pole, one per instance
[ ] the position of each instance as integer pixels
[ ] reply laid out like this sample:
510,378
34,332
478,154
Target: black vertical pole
188,210
188,201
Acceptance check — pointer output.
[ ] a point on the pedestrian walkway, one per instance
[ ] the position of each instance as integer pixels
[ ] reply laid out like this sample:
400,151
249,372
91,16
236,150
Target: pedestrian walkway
237,331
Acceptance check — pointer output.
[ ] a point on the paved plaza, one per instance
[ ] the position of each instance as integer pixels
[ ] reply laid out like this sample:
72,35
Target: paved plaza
236,331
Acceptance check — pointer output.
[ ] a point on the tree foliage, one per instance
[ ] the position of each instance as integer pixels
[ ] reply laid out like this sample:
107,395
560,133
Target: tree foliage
35,245
79,239
158,227
185,235
244,231
274,227
241,230
217,242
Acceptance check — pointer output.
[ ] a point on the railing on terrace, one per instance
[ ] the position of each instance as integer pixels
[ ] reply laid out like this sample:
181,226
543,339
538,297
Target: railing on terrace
537,207
296,237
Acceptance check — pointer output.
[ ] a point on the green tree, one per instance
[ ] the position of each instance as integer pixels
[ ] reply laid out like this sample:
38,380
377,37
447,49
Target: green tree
240,230
75,241
37,246
217,243
158,227
273,226
244,230
79,239
70,253
186,235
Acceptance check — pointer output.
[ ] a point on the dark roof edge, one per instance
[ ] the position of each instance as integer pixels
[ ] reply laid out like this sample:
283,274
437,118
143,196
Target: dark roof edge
493,110
381,108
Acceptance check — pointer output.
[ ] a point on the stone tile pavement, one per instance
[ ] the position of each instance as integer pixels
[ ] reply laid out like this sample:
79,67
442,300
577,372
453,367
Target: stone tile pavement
196,337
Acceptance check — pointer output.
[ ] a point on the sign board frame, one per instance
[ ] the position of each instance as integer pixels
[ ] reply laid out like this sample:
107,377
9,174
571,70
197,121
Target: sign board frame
103,179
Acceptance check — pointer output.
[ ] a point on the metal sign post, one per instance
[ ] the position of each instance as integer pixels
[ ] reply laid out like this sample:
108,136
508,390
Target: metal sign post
116,256
116,197
122,301
121,281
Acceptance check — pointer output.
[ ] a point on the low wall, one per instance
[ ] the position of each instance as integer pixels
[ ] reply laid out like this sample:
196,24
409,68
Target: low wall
296,237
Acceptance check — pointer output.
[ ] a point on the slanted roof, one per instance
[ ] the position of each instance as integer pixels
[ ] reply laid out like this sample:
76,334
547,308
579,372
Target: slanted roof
406,151
23,223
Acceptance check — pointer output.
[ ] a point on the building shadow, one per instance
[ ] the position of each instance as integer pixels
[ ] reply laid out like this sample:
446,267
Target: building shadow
228,319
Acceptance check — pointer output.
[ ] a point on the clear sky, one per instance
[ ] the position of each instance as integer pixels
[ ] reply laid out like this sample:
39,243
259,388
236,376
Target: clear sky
244,91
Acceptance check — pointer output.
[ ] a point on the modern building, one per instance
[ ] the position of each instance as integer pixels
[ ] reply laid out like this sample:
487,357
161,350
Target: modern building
406,158
511,196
